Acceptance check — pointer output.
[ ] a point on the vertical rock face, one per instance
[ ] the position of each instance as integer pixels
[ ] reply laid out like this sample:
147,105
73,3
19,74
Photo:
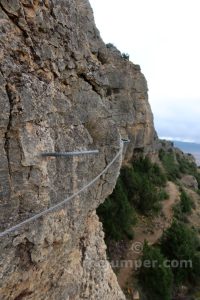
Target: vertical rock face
61,89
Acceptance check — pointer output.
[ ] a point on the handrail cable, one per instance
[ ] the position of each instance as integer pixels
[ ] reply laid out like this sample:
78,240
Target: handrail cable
51,209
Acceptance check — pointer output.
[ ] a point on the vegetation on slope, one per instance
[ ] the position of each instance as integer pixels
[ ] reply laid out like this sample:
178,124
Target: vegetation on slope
154,277
180,243
117,214
139,188
172,263
170,165
184,207
179,247
176,165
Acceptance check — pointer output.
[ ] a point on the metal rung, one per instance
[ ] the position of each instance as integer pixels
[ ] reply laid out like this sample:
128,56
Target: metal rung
125,141
74,153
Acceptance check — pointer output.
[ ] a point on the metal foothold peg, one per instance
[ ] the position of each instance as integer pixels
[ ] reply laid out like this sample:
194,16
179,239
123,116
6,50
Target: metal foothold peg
74,153
125,141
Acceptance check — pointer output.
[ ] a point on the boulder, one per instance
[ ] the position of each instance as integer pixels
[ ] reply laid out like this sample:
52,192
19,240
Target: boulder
190,182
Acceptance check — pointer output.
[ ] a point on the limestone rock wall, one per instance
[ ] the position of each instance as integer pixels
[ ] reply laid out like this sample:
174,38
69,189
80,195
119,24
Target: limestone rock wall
61,89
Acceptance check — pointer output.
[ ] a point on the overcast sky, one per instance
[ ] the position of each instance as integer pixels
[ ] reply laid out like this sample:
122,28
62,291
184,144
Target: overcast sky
163,37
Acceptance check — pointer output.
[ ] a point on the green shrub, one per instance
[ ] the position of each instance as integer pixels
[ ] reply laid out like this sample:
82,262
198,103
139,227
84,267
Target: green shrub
132,181
186,202
151,170
180,243
155,279
110,45
170,164
184,207
117,215
178,213
141,192
163,195
125,56
144,182
195,275
148,197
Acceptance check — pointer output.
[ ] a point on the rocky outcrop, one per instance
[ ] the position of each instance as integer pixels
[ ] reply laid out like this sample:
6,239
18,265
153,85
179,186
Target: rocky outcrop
169,147
61,89
190,182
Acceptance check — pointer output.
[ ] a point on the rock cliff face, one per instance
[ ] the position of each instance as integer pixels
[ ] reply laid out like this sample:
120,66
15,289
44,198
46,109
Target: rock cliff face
61,89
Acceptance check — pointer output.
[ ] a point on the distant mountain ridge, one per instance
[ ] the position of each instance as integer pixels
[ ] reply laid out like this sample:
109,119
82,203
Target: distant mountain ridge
188,147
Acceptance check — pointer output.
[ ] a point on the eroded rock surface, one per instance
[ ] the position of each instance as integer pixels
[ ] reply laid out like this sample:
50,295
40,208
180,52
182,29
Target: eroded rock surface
190,182
61,89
